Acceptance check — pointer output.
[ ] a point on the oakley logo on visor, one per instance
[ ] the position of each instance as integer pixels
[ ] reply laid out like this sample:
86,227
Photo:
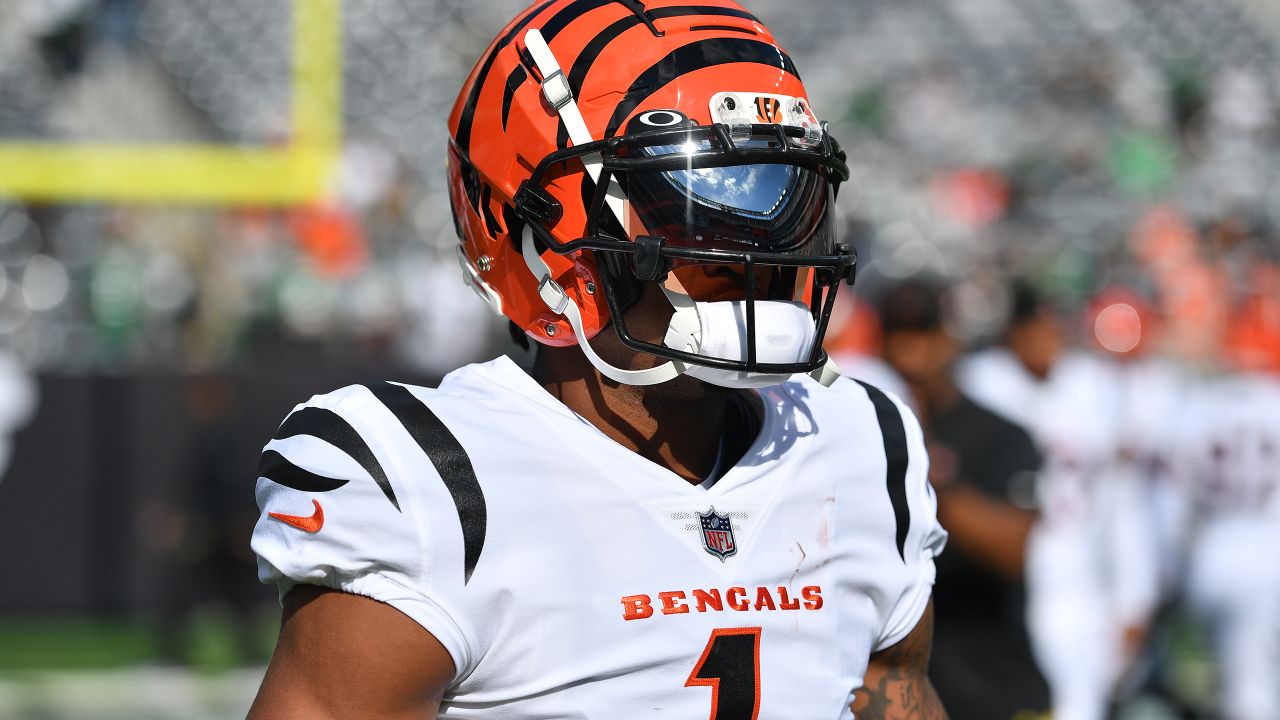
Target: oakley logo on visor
658,120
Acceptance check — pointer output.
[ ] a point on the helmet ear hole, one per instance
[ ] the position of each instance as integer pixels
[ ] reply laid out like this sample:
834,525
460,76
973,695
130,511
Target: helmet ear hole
518,336
515,226
457,221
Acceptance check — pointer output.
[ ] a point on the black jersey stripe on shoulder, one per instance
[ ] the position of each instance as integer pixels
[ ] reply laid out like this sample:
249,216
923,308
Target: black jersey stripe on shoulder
332,428
693,57
276,468
894,434
587,58
451,462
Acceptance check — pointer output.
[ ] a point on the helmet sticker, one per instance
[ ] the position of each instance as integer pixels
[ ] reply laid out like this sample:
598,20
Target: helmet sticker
768,110
762,108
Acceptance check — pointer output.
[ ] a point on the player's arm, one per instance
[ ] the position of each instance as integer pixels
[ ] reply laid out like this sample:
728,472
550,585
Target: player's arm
989,530
896,686
343,656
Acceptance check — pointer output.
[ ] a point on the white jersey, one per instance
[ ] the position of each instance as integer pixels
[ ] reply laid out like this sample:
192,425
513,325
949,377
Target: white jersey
1088,417
1092,561
1159,398
571,578
874,371
1228,455
1228,449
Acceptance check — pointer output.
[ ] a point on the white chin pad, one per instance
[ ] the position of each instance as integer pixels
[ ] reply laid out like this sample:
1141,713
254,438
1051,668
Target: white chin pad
784,334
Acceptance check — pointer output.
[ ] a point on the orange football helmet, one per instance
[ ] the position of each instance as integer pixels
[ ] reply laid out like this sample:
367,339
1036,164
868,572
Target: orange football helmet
599,145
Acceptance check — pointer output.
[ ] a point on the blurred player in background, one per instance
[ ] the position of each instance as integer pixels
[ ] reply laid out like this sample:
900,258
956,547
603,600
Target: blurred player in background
1227,455
1152,394
856,344
984,470
1091,562
682,509
207,557
18,402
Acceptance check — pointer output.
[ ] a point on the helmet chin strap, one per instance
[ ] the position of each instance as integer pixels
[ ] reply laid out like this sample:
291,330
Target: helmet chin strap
685,323
561,304
556,90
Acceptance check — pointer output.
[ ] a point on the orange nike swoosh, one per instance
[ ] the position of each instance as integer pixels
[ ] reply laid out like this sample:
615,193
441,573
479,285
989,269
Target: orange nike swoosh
310,524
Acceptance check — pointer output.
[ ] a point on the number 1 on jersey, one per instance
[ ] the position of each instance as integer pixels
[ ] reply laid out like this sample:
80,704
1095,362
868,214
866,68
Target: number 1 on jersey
730,666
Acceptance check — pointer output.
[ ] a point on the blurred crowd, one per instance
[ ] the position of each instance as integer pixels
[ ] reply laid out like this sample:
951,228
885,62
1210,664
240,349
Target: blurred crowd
1103,492
1068,218
1081,143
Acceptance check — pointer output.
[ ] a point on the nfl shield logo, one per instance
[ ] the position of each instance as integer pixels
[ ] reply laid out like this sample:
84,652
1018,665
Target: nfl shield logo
717,534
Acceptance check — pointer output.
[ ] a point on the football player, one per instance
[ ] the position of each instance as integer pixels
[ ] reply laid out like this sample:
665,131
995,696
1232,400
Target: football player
1226,454
983,468
681,511
1091,578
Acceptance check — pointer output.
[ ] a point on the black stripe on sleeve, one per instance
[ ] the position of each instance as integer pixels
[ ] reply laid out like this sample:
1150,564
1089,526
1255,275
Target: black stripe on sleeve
895,455
451,462
333,429
274,467
692,57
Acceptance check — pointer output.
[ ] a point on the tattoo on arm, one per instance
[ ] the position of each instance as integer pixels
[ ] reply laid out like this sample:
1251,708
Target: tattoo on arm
897,684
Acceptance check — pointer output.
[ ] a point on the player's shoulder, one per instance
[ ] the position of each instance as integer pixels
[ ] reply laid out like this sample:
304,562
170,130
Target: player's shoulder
379,457
853,423
989,418
994,360
363,429
990,428
467,390
1083,368
848,402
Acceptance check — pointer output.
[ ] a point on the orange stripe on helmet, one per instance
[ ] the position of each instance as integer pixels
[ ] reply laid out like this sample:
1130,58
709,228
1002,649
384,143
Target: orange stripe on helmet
586,58
694,56
463,114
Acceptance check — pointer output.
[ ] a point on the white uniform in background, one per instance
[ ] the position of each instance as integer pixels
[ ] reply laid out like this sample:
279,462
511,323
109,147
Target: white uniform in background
874,371
19,398
1093,528
1157,397
1230,455
571,578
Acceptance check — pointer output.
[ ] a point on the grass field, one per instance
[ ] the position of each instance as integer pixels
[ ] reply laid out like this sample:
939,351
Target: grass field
87,669
211,642
137,693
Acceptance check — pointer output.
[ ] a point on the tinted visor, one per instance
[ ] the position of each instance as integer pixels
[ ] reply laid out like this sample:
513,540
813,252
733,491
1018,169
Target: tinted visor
764,208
